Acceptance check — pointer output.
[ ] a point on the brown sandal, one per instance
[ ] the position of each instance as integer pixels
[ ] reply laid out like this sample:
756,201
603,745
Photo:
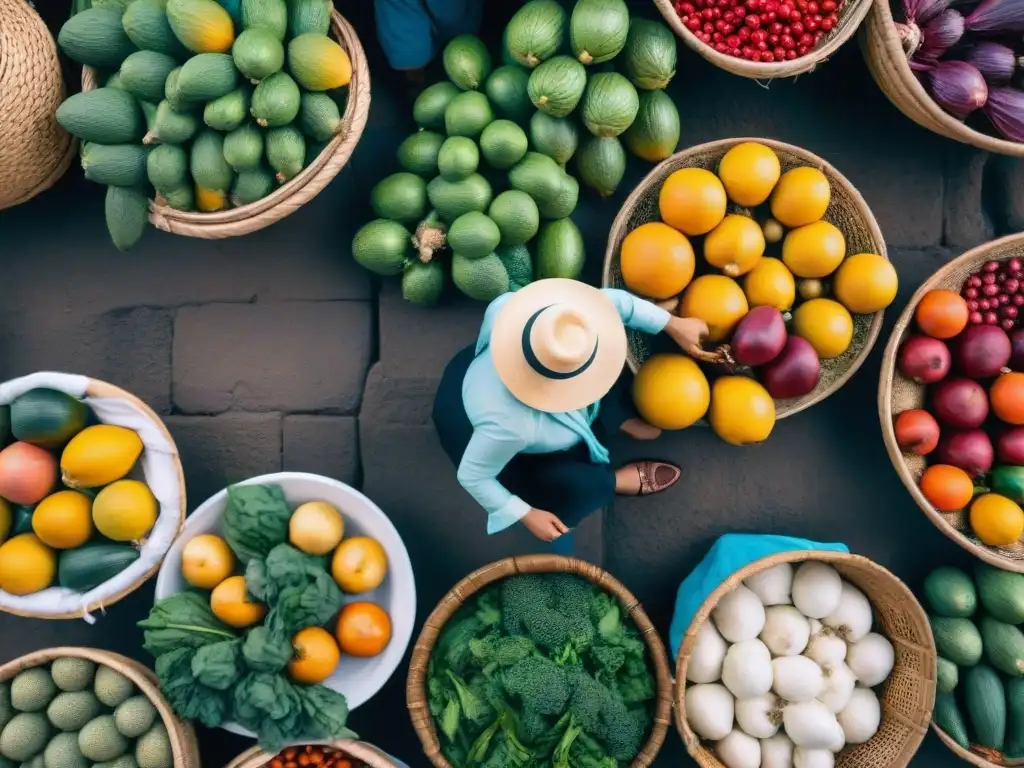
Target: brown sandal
656,476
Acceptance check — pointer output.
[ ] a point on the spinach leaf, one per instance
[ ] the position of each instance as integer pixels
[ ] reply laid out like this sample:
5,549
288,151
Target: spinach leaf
218,665
311,604
270,705
183,620
267,648
325,713
288,567
187,696
258,583
255,520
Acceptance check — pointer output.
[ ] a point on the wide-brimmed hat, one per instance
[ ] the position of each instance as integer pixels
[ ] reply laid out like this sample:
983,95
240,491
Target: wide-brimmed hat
558,345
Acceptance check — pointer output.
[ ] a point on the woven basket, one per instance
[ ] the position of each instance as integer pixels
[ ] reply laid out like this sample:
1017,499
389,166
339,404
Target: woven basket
101,389
888,65
896,394
847,210
291,196
909,693
34,150
853,14
416,685
360,750
184,747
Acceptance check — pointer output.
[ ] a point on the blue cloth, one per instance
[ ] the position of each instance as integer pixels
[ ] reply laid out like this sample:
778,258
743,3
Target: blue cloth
729,554
411,32
504,427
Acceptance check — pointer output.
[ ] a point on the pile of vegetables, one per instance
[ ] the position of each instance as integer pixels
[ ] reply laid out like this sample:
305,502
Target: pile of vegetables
540,670
967,56
254,650
324,757
976,624
485,195
69,515
206,108
783,673
74,712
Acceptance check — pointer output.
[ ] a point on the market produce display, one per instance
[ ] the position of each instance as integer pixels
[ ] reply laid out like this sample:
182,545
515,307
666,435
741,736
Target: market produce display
325,757
775,282
540,670
969,354
976,624
69,515
485,193
267,621
785,671
77,713
967,58
207,109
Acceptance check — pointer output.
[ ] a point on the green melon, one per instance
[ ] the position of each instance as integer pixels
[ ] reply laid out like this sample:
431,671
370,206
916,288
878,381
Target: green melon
602,164
382,246
557,85
481,279
457,158
537,175
598,29
452,199
649,58
468,114
503,144
559,251
654,134
519,265
467,62
429,107
516,215
610,104
473,235
418,153
423,284
556,137
562,203
507,90
400,197
536,32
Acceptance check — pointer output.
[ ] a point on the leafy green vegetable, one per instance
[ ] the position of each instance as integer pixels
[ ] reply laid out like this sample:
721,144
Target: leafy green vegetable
267,648
190,699
255,520
182,621
297,586
324,713
269,705
218,665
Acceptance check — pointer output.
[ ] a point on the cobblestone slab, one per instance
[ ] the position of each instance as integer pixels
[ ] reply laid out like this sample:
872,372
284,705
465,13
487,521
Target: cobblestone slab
966,222
324,445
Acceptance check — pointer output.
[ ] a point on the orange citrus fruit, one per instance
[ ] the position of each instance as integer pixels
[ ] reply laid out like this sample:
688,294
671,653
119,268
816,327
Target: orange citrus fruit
230,603
865,283
656,260
1006,396
718,301
670,391
749,172
316,656
63,520
996,520
742,412
826,324
735,246
206,561
770,284
801,197
941,314
814,250
946,487
363,629
692,200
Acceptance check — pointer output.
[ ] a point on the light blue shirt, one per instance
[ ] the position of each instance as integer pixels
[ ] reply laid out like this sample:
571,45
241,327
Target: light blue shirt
503,426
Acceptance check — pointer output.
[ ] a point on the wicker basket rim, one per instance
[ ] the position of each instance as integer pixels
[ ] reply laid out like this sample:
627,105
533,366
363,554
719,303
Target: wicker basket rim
367,753
721,145
981,253
416,696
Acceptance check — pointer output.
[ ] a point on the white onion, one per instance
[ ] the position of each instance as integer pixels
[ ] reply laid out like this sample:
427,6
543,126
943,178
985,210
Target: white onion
709,710
796,678
862,716
813,758
777,752
786,630
825,648
853,616
747,669
839,685
705,663
773,585
737,750
871,660
816,589
760,716
809,724
739,615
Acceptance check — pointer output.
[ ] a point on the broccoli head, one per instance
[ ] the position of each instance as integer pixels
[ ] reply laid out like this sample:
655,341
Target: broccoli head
520,595
573,595
585,752
548,628
621,730
502,650
539,683
587,699
608,660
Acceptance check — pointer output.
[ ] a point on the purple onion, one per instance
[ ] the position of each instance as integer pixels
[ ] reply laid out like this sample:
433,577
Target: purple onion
1005,108
957,87
996,62
923,11
997,16
910,38
940,34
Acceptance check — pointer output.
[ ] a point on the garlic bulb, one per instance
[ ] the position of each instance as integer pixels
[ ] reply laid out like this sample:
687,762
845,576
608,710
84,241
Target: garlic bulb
709,710
817,589
862,716
705,663
777,752
809,724
813,758
738,750
739,615
747,669
853,617
760,716
839,685
796,678
786,630
825,647
871,660
773,585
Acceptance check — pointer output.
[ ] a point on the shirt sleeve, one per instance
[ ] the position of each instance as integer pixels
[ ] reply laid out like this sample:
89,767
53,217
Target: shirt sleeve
638,314
490,448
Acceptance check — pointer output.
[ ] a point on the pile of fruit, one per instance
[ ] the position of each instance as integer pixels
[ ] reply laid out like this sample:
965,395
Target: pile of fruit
783,672
324,757
484,184
252,647
976,624
971,426
209,110
76,713
749,209
72,516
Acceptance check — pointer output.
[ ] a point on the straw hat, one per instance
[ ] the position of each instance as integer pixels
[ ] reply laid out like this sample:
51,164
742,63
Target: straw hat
558,345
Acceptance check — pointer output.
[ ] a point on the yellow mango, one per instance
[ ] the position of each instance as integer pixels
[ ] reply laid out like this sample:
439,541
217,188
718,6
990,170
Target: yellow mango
99,455
211,199
318,63
202,26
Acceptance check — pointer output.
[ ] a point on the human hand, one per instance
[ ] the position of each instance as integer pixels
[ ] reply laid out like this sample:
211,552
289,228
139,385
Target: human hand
688,333
544,525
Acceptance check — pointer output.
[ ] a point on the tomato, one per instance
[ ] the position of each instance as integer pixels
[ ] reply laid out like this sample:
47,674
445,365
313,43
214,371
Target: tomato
364,629
316,656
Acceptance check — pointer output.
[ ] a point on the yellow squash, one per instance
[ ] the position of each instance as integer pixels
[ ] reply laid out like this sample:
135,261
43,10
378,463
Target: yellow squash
99,455
125,510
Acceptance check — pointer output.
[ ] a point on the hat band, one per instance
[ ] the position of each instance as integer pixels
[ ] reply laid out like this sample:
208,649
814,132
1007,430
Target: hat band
535,362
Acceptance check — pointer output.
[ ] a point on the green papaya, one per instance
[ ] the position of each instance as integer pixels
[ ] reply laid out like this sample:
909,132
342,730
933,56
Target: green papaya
145,22
305,16
127,213
171,126
243,147
467,62
598,29
258,53
286,152
206,77
276,101
228,112
319,116
602,164
95,38
557,85
268,14
253,184
167,167
654,134
123,165
209,168
536,32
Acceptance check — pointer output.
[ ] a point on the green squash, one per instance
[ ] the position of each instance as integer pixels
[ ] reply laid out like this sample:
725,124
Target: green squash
559,250
1001,593
286,153
144,73
473,235
418,153
167,167
87,567
258,53
610,104
537,175
121,164
598,29
423,284
507,88
985,700
468,114
228,112
429,108
95,38
243,148
1004,646
556,86
602,164
145,22
563,202
276,101
46,417
206,77
649,58
556,137
126,210
104,115
1014,745
451,199
654,134
536,32
253,184
170,126
172,93
319,116
180,199
400,197
306,16
467,62
503,144
382,246
210,170
948,717
271,15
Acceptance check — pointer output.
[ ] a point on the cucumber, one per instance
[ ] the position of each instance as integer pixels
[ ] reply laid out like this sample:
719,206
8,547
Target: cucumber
123,165
948,717
950,592
1001,593
1004,646
46,417
1014,747
957,640
985,701
948,676
86,568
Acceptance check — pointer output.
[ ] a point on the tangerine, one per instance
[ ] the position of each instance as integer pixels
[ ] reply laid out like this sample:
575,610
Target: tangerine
718,301
996,520
657,261
363,629
670,391
770,284
826,324
946,487
814,250
692,200
1007,397
749,172
316,656
742,412
735,246
865,283
941,314
801,197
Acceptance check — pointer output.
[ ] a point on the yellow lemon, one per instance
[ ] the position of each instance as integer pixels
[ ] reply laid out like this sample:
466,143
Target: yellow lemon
125,510
749,172
770,284
315,528
826,325
996,520
26,565
718,301
865,283
206,561
801,197
6,519
735,246
670,391
742,412
99,455
814,250
230,603
692,200
63,520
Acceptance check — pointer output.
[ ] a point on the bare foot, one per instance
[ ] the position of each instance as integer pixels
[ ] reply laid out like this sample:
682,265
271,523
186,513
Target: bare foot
643,478
639,429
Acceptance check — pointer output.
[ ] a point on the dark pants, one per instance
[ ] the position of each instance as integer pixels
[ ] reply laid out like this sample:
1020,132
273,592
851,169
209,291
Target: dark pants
565,483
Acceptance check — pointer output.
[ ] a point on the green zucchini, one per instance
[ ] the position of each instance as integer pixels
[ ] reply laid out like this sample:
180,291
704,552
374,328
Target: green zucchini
46,417
985,701
948,676
1014,718
1004,646
950,592
957,640
1001,593
948,717
86,568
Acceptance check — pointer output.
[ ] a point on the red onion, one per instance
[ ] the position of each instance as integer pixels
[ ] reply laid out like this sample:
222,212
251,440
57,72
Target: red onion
957,87
940,34
910,38
1005,108
996,62
923,11
997,16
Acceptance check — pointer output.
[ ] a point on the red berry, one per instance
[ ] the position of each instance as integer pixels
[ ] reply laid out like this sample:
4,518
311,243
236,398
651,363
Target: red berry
805,41
973,306
693,24
1014,265
729,17
721,47
716,13
990,266
803,50
787,42
1011,285
990,318
827,24
784,10
1010,311
717,37
975,318
828,6
753,21
733,41
744,33
773,41
758,36
988,279
779,54
775,28
811,24
790,55
796,28
970,293
740,11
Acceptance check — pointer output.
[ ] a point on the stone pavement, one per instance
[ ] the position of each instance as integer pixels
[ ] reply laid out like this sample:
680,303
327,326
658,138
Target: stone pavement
274,351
